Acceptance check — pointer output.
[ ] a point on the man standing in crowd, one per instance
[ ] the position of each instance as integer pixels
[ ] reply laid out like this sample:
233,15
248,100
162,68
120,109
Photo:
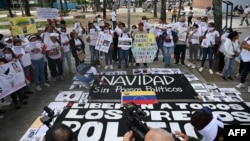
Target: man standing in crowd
113,18
160,28
245,15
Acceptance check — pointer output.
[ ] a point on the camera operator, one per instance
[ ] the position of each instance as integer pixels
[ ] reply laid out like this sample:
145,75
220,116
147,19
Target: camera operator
154,134
59,132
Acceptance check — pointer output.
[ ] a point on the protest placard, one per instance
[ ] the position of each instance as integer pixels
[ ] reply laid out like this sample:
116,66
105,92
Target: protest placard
26,60
144,48
11,78
103,42
125,42
22,25
47,13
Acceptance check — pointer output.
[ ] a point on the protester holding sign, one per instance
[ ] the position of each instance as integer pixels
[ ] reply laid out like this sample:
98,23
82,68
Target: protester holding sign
160,27
37,57
79,29
55,56
91,39
64,39
124,46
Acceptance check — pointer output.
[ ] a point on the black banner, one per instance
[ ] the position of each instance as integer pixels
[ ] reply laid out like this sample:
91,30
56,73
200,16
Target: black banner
108,121
174,86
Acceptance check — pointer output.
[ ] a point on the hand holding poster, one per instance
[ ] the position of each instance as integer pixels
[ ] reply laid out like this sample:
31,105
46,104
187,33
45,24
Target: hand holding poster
47,13
22,25
103,42
145,48
11,78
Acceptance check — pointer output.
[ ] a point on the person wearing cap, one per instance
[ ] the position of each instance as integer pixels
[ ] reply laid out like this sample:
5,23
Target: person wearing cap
124,51
180,49
140,30
245,15
64,39
206,124
55,54
37,58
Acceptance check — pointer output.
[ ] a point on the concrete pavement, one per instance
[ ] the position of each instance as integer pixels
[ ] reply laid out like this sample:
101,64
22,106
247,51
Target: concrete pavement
16,122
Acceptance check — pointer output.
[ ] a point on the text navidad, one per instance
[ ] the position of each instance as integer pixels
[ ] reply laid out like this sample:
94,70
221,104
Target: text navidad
157,83
107,121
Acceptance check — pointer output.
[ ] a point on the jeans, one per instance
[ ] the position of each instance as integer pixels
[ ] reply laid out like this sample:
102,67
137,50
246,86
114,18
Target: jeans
108,58
123,55
167,54
173,18
193,52
246,69
94,54
180,49
67,57
228,67
38,71
55,64
210,52
89,79
159,42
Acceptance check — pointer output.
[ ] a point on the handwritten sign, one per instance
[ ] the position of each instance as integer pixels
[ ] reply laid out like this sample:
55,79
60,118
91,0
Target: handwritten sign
47,13
22,25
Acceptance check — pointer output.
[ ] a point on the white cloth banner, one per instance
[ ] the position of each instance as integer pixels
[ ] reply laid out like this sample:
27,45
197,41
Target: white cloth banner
11,78
103,42
47,13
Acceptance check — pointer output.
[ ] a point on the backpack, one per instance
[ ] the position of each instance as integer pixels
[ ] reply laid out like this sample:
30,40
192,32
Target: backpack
174,34
83,68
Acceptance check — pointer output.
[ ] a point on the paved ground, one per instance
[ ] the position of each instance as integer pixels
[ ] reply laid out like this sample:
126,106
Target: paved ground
16,122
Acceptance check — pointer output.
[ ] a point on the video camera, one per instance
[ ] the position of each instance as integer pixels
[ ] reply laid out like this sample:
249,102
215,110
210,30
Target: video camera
47,119
136,123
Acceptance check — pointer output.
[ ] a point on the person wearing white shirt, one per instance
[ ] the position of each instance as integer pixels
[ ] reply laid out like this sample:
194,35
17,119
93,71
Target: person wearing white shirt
79,29
55,56
245,15
232,50
146,24
168,44
36,53
221,49
113,18
109,54
246,65
118,31
207,46
124,47
194,41
91,39
160,27
64,39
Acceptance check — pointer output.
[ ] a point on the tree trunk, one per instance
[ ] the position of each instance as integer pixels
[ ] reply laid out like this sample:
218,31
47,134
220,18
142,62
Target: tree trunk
217,5
66,4
163,10
104,9
61,4
155,8
8,7
179,11
98,3
51,3
26,7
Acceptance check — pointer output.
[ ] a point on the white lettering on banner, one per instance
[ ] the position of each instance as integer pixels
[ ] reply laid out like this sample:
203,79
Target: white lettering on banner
147,106
113,114
100,90
112,132
138,80
84,131
197,106
241,116
75,125
94,114
73,114
121,89
160,115
181,115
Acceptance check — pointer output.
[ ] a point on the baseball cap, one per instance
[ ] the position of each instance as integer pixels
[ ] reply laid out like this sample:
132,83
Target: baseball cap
140,24
54,35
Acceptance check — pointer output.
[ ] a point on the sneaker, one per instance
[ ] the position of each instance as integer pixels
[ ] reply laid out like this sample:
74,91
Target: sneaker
106,67
111,67
193,66
241,85
6,103
223,77
38,88
130,64
201,69
46,85
211,71
189,65
238,75
248,90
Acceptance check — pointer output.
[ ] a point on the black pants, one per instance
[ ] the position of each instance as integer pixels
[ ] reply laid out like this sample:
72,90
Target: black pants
159,41
131,58
180,50
55,66
241,67
17,95
46,71
116,50
246,69
190,20
221,61
114,24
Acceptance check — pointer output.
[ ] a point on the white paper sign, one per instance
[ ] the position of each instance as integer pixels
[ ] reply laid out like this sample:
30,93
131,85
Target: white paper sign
125,42
103,42
26,60
47,13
